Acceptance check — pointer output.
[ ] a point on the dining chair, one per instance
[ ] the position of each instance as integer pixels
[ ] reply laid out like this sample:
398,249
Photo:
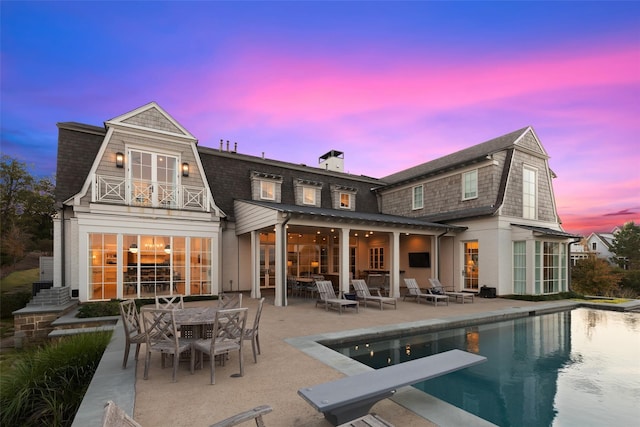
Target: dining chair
170,302
228,335
133,332
160,328
230,301
252,333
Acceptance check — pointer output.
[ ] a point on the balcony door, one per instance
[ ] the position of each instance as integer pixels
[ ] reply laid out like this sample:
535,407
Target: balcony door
153,179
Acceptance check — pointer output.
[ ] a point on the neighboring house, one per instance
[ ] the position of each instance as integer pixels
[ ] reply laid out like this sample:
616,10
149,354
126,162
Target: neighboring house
143,210
598,245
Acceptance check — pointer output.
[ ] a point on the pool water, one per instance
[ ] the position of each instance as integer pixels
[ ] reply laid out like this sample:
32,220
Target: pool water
571,368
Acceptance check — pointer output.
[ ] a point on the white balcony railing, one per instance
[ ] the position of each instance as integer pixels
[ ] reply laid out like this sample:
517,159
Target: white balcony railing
139,192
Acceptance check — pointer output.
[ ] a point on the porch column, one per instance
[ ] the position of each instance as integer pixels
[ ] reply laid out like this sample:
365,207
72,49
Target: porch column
255,264
58,249
281,262
345,275
394,270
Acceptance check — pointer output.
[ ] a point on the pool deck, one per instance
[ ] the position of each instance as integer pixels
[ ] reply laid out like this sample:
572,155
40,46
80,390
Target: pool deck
291,359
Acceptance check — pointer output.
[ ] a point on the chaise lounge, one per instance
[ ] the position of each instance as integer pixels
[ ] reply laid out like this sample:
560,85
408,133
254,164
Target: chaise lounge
363,293
438,289
415,292
327,297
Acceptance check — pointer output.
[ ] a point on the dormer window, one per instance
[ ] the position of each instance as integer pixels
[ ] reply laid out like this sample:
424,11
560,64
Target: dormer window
343,197
266,186
307,192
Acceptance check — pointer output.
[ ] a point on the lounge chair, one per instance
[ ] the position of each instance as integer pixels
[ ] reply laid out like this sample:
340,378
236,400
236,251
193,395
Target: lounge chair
415,292
438,289
363,293
115,416
327,297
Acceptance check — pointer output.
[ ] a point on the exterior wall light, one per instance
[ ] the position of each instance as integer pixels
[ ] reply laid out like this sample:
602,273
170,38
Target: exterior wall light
133,248
119,160
185,169
167,249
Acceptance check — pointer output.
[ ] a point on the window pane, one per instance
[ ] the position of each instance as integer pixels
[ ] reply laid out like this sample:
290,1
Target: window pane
345,200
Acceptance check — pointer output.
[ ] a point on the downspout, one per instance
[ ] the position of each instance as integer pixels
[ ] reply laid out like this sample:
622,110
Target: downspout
438,253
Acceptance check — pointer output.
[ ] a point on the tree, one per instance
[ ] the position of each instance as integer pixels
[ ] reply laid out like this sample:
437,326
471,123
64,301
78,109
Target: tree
27,206
626,246
594,276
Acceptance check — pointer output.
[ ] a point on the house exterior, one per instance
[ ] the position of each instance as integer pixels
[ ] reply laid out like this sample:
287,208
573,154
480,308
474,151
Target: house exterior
597,245
143,210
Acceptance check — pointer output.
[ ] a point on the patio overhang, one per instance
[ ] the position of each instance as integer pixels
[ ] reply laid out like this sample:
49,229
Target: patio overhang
269,211
544,231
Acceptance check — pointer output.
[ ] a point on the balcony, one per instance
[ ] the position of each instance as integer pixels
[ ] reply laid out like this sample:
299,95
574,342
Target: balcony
151,194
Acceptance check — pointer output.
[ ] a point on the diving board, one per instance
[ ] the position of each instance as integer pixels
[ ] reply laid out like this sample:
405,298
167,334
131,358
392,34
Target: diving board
351,397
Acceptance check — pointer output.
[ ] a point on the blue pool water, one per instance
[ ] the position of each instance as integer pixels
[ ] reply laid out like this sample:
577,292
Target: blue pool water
572,368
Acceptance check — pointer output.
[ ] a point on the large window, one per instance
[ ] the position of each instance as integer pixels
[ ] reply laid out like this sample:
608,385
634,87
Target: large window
519,268
470,185
103,266
147,265
529,196
551,267
418,197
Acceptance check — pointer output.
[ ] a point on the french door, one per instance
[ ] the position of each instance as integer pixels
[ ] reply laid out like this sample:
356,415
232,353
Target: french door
267,266
153,179
471,267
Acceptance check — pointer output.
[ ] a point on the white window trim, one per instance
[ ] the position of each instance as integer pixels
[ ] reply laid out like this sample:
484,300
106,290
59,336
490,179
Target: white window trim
535,195
349,195
415,206
464,185
263,183
309,191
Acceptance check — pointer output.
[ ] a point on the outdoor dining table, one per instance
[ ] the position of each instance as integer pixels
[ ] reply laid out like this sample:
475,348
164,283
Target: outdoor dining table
193,321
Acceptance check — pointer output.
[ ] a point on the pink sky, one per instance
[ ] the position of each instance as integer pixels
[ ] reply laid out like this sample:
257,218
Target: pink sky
390,84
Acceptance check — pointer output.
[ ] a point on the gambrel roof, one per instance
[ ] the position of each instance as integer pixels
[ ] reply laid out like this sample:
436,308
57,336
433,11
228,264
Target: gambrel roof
468,156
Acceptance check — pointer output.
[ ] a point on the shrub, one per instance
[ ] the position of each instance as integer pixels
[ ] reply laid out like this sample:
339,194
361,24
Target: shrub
550,297
630,282
99,309
12,301
47,385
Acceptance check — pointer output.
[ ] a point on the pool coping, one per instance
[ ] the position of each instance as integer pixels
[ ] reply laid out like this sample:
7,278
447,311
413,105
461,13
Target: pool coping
419,402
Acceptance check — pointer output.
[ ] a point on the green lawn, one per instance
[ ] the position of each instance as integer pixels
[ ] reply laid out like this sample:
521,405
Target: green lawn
19,280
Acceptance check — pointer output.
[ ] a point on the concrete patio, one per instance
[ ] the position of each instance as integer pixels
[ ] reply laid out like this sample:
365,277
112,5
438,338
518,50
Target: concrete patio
290,360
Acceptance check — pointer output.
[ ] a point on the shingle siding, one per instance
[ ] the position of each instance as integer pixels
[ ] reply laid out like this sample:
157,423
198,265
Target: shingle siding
78,145
512,205
444,194
153,119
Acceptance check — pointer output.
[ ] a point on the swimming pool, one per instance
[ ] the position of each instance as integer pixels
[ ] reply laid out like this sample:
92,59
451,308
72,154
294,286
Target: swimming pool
578,367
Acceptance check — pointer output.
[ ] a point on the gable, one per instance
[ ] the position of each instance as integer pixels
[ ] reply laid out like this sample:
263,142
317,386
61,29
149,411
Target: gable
529,141
150,117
